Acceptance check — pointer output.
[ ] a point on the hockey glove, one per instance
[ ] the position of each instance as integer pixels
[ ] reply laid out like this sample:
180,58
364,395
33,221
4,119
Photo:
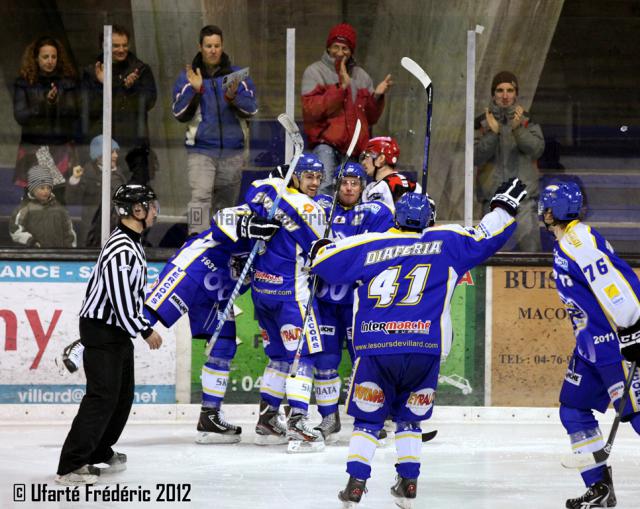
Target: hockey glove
630,342
279,172
509,195
257,228
316,246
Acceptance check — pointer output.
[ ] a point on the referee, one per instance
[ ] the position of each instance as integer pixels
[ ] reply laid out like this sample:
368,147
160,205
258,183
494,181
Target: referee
110,317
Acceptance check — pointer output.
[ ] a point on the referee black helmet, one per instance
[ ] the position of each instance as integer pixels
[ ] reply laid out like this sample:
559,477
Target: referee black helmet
127,195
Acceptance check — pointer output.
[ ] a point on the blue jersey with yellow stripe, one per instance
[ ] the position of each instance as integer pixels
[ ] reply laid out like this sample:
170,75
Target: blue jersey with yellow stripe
599,290
407,280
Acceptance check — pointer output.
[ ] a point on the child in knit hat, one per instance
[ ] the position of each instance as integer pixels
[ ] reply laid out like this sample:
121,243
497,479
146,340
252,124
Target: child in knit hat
39,220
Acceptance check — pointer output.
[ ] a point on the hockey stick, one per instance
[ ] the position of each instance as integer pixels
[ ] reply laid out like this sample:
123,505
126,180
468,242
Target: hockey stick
298,146
429,435
418,72
314,279
602,455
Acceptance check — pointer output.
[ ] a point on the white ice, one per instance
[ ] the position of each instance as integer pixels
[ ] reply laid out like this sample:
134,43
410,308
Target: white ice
472,463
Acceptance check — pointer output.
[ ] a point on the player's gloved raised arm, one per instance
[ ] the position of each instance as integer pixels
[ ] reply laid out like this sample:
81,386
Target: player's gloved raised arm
630,342
509,195
279,171
257,228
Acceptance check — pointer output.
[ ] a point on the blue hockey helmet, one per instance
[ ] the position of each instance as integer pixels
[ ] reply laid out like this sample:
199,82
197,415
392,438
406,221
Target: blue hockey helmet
350,170
308,162
413,211
564,199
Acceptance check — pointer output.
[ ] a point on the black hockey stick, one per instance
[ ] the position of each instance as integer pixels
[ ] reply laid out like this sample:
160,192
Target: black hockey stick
602,455
298,146
327,231
418,72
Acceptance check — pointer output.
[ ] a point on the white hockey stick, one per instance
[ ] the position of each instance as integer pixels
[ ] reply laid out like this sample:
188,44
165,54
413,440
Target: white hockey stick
298,146
602,455
327,231
418,72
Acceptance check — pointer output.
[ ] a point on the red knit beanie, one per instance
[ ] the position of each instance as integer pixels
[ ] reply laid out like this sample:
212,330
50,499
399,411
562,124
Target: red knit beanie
343,33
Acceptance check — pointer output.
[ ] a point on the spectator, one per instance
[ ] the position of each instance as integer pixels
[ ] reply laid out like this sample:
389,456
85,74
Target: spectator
39,220
133,95
215,138
336,92
46,105
508,144
85,188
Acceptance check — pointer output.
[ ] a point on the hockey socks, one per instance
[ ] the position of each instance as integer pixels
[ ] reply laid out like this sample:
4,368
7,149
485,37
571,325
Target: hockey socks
586,438
299,388
327,390
273,383
362,448
408,446
215,377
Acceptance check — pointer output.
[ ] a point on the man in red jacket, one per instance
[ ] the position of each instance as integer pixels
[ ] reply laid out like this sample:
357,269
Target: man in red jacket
336,92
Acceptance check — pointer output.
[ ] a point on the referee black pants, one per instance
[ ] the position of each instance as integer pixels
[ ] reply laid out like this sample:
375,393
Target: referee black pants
104,410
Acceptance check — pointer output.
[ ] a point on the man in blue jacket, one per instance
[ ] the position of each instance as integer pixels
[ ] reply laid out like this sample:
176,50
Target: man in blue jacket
214,139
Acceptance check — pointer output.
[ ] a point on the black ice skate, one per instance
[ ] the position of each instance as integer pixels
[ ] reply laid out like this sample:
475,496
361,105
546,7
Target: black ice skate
351,495
601,494
330,427
271,428
302,436
404,491
117,463
72,356
213,429
87,474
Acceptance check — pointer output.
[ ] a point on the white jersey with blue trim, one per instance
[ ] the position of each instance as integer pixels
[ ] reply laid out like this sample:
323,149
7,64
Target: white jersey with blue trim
279,266
347,222
599,290
406,281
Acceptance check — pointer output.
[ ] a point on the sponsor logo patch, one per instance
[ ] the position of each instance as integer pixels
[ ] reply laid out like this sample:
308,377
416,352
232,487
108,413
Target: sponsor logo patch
327,330
178,303
368,397
400,327
615,391
265,277
420,402
290,335
573,378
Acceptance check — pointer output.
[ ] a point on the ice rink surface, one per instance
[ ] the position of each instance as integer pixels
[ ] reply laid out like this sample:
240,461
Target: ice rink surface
469,465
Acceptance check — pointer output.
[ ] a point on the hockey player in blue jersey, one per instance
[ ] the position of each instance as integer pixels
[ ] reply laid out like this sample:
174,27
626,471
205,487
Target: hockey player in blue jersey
335,302
280,291
601,293
402,323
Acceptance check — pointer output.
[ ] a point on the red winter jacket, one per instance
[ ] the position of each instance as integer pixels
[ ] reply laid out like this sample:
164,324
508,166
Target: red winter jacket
330,112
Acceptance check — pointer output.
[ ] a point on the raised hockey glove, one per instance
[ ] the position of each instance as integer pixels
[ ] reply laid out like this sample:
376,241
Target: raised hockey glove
509,195
630,342
257,228
279,171
316,246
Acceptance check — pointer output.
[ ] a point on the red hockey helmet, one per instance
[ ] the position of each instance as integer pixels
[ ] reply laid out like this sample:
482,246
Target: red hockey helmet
384,145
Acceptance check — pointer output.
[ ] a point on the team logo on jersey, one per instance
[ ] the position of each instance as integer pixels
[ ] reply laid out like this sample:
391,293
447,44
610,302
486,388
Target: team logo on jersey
340,220
368,397
178,303
265,277
290,335
397,327
420,402
573,378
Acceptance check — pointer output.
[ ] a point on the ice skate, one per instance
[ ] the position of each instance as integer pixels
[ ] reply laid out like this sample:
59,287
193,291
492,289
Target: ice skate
404,491
87,474
351,495
302,437
214,429
117,463
271,428
72,356
330,427
601,494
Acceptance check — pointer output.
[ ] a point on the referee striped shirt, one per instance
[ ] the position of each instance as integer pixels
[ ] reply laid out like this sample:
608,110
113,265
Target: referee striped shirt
115,294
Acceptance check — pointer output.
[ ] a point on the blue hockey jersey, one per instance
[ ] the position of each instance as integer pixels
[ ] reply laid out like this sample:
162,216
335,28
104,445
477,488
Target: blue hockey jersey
599,290
347,222
279,266
407,280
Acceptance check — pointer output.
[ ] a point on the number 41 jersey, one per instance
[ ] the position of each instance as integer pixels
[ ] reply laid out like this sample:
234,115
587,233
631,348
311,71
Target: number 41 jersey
599,290
407,280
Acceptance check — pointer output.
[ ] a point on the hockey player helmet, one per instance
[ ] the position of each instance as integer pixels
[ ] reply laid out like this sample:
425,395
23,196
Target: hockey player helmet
564,200
350,170
127,195
413,211
384,145
308,162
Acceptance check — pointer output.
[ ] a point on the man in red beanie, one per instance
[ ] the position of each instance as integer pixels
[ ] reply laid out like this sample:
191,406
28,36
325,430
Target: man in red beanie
336,92
508,144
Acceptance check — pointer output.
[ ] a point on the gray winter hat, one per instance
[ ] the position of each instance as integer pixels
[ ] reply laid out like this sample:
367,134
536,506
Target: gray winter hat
39,176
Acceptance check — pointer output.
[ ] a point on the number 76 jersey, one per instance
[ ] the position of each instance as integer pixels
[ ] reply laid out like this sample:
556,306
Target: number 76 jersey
406,281
599,290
